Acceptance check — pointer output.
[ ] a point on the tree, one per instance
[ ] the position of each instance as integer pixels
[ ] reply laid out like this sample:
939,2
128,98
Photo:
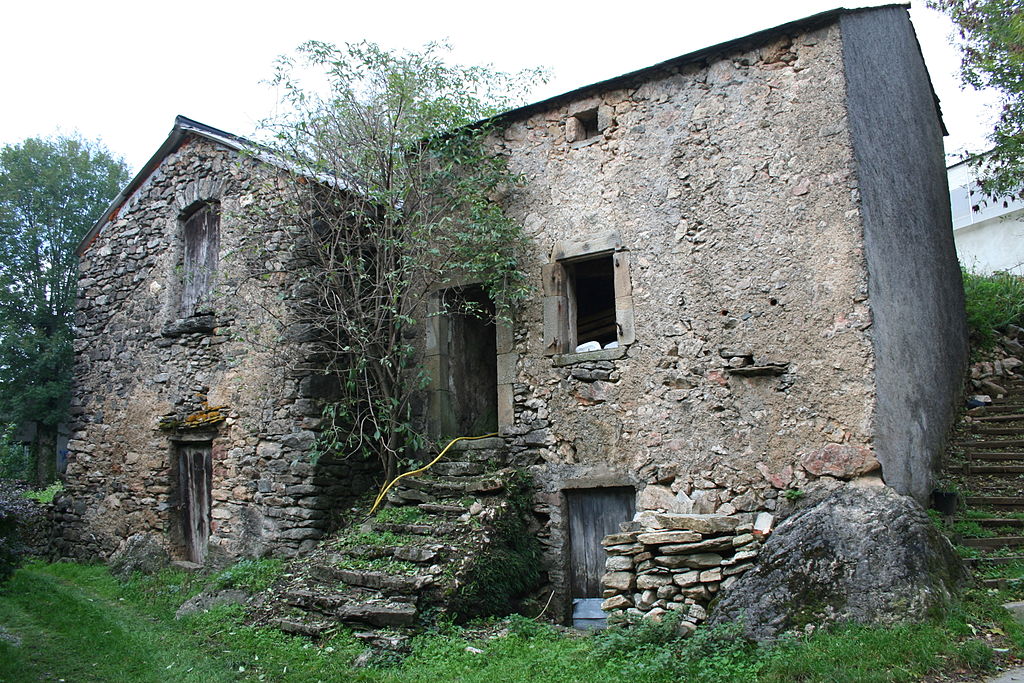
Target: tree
51,193
992,42
395,196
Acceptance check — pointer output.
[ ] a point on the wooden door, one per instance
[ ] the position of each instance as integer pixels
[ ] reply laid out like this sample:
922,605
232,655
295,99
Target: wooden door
593,514
194,479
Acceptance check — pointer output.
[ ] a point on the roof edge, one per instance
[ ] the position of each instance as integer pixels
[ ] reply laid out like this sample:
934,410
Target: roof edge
814,20
183,126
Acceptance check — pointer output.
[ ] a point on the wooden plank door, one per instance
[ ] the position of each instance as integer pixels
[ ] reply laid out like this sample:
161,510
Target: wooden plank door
194,479
593,514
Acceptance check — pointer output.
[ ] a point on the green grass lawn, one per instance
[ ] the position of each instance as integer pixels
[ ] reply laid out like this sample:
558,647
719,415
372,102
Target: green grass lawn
77,623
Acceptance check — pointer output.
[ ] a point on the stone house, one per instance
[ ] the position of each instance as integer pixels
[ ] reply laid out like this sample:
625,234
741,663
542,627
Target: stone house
746,285
191,419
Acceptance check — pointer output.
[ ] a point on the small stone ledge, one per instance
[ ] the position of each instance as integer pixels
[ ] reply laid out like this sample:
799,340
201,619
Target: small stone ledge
763,370
561,360
196,324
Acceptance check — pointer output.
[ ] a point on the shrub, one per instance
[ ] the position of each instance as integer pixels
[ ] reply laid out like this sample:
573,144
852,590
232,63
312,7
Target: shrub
993,302
16,513
45,496
15,458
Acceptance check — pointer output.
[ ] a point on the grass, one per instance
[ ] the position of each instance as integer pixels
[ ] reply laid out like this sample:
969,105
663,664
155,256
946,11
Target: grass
76,622
992,302
401,515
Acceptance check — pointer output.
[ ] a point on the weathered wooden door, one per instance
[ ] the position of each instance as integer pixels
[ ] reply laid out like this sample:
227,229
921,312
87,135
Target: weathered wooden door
194,479
593,514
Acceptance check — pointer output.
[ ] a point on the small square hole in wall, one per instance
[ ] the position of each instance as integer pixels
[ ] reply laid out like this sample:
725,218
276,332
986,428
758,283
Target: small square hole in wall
583,126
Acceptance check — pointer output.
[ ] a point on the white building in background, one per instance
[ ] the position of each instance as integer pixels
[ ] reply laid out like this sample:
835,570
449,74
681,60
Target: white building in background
989,234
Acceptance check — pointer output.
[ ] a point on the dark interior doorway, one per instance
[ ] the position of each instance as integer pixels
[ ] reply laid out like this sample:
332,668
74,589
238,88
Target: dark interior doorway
194,482
472,362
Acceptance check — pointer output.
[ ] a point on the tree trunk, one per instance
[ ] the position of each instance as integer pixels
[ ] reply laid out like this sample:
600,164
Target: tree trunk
44,449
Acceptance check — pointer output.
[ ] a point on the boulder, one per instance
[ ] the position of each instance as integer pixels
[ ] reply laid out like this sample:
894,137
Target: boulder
139,553
868,555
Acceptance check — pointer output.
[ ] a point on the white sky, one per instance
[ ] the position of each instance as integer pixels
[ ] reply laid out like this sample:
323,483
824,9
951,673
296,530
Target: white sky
121,71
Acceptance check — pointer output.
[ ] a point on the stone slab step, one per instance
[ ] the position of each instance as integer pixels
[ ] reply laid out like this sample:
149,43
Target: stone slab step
994,455
320,600
1000,583
492,443
970,468
997,431
378,613
436,529
458,468
302,627
1008,417
1005,502
997,408
382,581
458,486
996,443
995,542
1004,559
999,521
442,509
409,553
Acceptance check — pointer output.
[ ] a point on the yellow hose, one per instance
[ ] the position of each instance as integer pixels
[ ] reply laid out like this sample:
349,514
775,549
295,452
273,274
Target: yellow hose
384,491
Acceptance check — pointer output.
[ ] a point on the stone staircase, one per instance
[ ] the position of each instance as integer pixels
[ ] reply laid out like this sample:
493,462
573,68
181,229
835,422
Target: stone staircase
987,464
406,565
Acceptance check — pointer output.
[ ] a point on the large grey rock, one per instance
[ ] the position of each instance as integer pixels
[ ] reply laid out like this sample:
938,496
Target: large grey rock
139,553
868,555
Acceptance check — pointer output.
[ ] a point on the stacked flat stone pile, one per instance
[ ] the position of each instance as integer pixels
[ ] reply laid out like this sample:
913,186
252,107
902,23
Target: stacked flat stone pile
676,562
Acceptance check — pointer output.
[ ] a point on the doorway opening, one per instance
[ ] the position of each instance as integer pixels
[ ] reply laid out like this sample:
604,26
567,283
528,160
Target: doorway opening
194,464
467,389
593,514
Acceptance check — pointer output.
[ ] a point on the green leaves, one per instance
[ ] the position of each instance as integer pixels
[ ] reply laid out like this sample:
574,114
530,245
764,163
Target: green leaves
992,43
51,193
397,198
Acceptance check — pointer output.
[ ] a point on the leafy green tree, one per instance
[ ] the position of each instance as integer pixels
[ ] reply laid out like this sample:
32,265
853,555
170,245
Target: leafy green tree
992,42
397,194
51,193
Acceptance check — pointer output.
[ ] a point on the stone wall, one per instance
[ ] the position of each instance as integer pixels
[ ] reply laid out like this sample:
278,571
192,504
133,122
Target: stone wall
678,563
234,375
726,186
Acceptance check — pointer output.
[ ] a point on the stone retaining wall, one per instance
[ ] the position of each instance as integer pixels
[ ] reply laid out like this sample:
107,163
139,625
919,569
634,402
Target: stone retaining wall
678,563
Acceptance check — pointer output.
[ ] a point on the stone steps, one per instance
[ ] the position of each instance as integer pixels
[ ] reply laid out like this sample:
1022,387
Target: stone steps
994,455
355,580
998,502
996,431
994,542
970,468
991,468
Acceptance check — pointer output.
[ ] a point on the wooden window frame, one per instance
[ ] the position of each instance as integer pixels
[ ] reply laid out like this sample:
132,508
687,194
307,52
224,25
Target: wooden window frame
559,300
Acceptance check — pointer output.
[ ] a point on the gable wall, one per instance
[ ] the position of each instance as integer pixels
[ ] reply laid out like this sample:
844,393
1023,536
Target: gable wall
138,363
915,286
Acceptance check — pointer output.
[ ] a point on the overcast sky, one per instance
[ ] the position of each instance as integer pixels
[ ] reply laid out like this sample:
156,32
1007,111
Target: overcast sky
121,71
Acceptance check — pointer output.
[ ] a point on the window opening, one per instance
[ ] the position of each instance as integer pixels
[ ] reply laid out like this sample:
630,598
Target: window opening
588,123
201,236
592,301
